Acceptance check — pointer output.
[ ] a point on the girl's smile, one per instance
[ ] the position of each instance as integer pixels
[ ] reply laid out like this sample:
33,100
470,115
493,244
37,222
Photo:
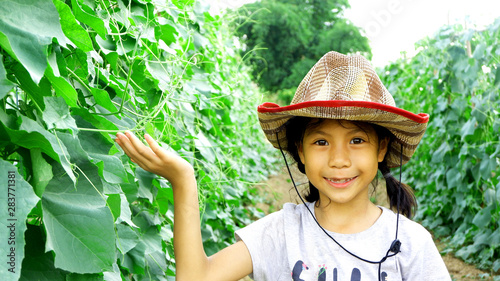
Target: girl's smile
340,183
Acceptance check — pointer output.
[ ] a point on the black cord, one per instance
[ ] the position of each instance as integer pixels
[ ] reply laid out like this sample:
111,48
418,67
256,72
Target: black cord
395,245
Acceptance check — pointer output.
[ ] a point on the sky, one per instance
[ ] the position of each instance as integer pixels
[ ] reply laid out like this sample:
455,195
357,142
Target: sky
394,26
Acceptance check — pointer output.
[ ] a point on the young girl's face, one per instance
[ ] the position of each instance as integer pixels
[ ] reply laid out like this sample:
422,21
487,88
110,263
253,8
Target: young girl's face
341,159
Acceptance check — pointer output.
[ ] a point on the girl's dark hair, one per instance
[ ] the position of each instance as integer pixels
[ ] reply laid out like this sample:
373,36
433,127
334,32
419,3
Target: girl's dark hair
295,130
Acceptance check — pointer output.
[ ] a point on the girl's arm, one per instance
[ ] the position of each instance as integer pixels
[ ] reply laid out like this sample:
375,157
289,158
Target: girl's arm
232,263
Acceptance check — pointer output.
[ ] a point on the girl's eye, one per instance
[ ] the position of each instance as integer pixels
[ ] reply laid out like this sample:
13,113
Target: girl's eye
321,142
357,141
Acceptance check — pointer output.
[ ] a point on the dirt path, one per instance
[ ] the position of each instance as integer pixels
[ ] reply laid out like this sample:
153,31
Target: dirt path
279,190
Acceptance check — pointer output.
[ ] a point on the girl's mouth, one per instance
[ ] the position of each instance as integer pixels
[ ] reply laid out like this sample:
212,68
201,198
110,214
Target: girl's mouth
340,183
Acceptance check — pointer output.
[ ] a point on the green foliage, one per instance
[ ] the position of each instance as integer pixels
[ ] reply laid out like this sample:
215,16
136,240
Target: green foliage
80,72
456,170
285,38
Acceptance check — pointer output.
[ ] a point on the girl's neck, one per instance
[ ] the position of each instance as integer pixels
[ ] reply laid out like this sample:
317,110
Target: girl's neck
347,218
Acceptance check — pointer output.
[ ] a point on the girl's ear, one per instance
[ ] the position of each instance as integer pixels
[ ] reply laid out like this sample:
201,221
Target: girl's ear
300,151
382,149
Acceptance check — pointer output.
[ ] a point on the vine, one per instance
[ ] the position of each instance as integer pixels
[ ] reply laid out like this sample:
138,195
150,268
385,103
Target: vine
95,68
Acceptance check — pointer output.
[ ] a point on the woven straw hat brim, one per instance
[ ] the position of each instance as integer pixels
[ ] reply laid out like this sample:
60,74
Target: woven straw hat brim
408,128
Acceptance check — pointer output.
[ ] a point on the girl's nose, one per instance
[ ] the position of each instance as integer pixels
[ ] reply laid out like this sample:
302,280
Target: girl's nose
339,158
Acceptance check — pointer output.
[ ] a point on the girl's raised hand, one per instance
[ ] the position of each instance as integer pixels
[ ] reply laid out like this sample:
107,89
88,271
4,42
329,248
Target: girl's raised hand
154,158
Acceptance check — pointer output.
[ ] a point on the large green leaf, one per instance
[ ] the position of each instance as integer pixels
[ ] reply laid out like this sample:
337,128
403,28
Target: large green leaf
39,265
86,17
56,114
30,26
79,224
31,135
17,199
102,98
62,87
72,29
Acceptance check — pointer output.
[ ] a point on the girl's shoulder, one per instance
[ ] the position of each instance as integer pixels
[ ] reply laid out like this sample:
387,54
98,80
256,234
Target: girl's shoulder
411,232
406,224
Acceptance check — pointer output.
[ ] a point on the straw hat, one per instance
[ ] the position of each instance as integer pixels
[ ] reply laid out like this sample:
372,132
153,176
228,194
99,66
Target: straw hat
346,87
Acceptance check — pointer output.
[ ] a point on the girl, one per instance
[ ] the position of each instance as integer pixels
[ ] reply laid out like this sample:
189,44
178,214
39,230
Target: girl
341,127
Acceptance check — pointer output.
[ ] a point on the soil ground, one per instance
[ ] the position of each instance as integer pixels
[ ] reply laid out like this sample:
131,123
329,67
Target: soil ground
278,190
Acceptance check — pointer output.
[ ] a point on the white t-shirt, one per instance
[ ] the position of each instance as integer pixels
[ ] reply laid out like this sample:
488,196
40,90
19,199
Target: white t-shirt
289,245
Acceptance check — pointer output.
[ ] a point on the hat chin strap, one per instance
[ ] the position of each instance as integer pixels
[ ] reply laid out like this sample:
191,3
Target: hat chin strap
395,245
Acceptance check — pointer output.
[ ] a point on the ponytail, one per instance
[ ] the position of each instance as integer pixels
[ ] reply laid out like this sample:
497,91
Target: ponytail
407,201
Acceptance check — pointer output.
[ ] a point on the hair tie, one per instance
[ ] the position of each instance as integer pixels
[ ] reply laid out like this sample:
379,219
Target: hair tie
387,175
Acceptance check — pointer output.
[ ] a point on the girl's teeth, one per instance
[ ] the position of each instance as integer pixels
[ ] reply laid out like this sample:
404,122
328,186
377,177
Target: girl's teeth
340,181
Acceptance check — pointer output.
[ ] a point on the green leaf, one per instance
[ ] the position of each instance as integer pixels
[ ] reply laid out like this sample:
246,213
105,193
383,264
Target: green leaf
5,44
31,135
35,92
56,114
164,198
29,41
5,84
38,264
79,225
113,275
72,29
134,260
457,85
125,213
42,171
479,51
127,238
145,181
453,177
62,87
440,152
488,165
17,200
204,146
483,217
468,128
107,44
166,32
113,202
155,259
160,73
110,166
102,98
97,121
119,206
91,20
482,238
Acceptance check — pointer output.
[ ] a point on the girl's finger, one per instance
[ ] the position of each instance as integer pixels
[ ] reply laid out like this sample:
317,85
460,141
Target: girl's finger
133,147
155,147
145,151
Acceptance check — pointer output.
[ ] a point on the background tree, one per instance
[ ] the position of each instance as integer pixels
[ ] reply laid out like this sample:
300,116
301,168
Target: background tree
286,37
